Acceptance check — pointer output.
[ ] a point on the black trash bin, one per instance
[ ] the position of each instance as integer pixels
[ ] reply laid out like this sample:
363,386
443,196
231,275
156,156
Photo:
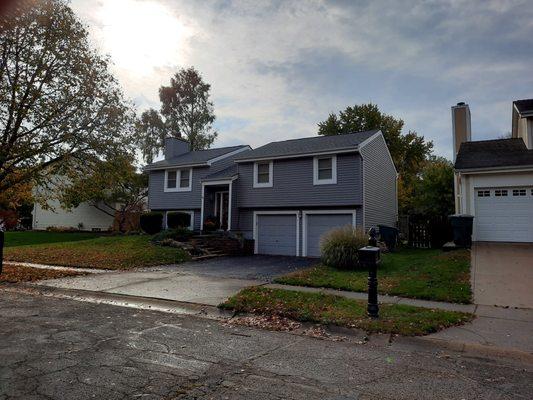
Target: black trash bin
389,235
462,229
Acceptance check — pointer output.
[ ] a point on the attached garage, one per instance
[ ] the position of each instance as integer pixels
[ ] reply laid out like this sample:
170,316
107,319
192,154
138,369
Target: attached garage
277,233
317,223
503,214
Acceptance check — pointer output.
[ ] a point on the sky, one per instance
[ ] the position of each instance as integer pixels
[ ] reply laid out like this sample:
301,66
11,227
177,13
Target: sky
277,68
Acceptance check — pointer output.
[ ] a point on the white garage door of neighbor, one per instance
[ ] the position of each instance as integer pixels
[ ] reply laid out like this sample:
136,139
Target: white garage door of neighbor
276,234
316,225
504,214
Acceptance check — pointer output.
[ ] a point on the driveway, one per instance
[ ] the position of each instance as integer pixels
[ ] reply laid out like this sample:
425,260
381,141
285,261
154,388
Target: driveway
203,282
502,274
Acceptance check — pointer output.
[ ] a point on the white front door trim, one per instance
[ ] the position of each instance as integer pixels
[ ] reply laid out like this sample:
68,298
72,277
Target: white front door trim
255,221
213,183
305,213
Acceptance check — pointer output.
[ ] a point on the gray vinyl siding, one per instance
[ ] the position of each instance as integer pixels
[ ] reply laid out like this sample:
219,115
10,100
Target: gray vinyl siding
293,185
380,180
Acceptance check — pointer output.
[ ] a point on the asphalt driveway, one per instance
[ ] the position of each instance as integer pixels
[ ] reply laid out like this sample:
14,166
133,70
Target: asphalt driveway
502,274
203,282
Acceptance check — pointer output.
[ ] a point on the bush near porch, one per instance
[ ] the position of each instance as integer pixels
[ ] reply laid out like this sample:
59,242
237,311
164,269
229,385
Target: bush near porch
415,273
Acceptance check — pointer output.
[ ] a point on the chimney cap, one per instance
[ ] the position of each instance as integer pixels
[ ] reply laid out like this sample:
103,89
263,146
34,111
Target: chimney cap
461,103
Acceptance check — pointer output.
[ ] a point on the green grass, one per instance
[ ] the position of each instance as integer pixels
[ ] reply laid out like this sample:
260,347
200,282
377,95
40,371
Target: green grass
415,273
108,252
327,309
13,239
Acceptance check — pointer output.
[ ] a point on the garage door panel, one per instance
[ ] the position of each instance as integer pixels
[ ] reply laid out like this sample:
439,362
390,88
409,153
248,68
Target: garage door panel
504,218
319,224
276,234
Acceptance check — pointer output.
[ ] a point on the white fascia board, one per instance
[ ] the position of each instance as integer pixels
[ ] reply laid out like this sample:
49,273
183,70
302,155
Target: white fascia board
176,166
231,153
495,170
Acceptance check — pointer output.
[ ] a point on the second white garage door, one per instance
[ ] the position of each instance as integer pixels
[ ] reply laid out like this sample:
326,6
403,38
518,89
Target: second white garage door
316,224
504,214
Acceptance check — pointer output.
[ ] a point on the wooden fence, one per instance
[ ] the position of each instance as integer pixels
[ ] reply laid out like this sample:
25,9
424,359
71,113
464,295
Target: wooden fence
426,231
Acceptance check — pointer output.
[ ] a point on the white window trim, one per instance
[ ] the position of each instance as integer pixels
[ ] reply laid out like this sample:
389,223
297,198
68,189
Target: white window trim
270,174
190,212
178,179
255,221
305,214
333,180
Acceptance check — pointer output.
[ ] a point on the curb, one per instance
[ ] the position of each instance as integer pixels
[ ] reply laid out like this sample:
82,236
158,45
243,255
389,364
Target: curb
59,268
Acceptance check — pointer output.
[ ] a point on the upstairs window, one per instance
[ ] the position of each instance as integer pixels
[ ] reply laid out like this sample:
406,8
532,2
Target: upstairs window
325,170
178,180
263,174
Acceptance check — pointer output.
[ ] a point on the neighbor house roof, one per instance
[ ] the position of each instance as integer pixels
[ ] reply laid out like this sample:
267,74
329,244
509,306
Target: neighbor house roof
490,154
524,107
305,146
195,158
226,173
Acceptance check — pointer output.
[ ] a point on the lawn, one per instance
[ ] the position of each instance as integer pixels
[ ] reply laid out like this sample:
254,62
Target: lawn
415,273
108,252
336,310
13,239
18,273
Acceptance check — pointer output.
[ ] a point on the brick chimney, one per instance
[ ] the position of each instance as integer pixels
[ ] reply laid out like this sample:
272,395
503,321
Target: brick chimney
175,146
461,126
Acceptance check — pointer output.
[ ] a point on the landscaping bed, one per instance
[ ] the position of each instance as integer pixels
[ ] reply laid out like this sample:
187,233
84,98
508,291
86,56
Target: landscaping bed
328,309
18,273
415,273
105,252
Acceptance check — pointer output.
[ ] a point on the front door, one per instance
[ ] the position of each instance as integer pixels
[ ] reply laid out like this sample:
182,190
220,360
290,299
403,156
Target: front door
222,209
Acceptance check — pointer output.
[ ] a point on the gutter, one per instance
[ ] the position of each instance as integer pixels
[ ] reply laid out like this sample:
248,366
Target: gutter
509,168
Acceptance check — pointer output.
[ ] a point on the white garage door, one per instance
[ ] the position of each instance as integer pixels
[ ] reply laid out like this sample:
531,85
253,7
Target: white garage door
276,234
316,225
504,214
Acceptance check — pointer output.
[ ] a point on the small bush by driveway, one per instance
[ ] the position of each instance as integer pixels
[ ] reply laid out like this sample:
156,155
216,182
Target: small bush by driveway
327,309
107,252
416,273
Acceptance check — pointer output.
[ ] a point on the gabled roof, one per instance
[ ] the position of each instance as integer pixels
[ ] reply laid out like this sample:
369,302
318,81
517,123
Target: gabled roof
524,107
226,173
307,146
196,158
487,154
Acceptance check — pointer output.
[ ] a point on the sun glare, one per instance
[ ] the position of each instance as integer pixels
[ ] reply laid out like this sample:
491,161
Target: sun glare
142,35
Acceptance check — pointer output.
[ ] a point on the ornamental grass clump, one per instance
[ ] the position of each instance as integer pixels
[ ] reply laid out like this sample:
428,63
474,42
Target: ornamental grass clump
339,247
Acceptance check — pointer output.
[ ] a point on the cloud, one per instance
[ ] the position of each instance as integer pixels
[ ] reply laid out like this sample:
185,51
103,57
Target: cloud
278,68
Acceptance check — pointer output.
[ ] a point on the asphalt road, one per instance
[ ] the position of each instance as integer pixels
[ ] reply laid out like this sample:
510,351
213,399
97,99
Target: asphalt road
63,349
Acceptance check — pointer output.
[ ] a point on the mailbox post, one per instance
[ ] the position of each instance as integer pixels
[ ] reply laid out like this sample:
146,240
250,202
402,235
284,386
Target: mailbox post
369,257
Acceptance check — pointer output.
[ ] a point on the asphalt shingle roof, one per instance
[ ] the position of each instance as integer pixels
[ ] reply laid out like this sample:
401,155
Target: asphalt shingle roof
307,145
226,173
193,157
524,106
493,153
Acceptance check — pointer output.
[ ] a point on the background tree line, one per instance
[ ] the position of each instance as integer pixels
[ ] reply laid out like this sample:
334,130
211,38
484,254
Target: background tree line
67,128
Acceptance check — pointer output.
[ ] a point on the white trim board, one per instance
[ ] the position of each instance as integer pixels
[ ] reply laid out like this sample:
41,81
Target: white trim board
305,213
295,212
231,153
214,183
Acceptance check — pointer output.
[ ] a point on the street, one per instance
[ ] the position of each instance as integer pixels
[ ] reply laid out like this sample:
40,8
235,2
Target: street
63,349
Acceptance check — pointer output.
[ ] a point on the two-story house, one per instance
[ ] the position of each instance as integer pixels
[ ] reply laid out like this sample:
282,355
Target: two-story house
494,178
285,195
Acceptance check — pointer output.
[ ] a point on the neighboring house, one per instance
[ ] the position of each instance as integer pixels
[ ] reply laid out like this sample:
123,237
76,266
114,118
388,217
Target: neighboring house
84,217
286,194
494,178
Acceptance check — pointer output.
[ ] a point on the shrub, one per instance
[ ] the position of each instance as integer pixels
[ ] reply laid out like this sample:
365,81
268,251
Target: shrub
151,222
9,218
176,219
339,247
179,234
211,223
61,229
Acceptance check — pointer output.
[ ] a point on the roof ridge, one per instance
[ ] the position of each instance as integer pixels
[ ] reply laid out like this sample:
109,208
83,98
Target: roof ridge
321,136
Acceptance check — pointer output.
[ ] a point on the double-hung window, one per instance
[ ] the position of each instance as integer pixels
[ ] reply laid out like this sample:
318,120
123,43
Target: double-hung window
178,180
325,170
263,171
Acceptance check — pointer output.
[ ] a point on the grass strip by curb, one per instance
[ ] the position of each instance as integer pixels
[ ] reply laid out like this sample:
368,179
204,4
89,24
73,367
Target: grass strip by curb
328,309
415,273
